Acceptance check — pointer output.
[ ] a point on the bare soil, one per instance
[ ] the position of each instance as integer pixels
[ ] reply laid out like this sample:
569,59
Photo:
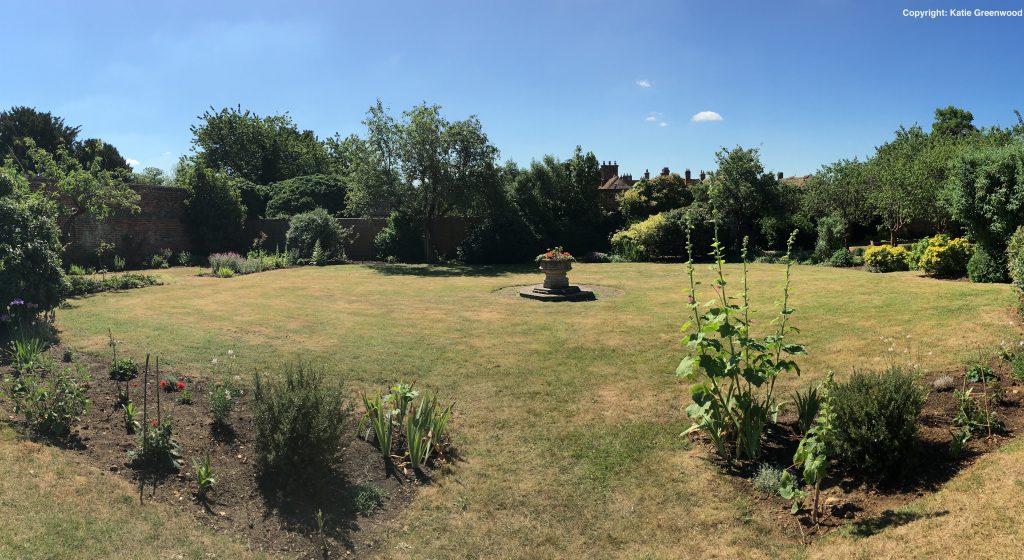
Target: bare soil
266,519
866,507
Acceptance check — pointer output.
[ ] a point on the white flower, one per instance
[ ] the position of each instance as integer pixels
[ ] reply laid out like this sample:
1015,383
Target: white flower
215,361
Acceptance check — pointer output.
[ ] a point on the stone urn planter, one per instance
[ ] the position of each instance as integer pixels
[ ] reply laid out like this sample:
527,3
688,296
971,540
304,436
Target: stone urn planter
556,274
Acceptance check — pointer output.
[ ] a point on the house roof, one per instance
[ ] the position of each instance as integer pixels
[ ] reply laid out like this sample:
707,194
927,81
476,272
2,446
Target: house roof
617,184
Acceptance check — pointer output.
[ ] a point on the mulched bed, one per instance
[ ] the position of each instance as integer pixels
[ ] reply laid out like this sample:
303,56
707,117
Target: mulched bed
863,507
266,520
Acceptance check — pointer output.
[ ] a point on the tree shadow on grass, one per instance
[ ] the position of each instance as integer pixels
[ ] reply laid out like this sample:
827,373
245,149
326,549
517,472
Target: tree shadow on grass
887,519
436,271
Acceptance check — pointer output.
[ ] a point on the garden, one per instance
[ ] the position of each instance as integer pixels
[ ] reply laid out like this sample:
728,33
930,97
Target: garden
689,375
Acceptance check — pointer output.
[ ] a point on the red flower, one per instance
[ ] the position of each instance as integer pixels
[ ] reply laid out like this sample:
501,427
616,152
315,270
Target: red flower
163,383
180,385
153,422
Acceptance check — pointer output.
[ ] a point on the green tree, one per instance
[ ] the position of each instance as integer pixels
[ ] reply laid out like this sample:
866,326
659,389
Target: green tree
747,200
30,247
215,212
262,150
423,166
103,155
906,175
152,176
953,122
654,196
840,189
46,131
303,194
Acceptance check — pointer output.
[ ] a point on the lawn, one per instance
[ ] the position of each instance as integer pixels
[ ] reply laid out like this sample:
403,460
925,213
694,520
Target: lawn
568,414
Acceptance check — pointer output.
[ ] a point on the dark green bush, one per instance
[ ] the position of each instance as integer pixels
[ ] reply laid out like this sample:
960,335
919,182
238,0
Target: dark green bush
400,239
215,213
874,423
50,405
299,418
984,267
308,229
831,238
82,285
30,248
842,258
303,194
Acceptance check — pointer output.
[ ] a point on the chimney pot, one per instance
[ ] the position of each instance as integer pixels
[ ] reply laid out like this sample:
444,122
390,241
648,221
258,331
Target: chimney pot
780,175
687,174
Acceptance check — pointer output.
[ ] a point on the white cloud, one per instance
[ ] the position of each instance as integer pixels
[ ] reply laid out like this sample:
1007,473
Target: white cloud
706,116
132,162
653,116
643,83
663,124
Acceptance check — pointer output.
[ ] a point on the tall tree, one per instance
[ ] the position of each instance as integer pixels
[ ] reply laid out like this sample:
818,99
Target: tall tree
106,156
423,166
262,150
746,199
953,122
47,132
839,189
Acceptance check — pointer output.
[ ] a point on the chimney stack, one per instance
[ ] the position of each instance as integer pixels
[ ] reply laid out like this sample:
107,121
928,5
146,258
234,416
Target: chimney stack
664,171
702,175
647,173
609,170
780,175
687,175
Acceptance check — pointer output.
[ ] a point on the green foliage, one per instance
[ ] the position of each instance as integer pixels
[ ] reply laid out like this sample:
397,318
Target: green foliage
839,190
30,247
986,193
399,239
185,258
886,258
985,268
298,419
767,479
842,258
131,422
653,196
958,442
50,405
812,454
874,424
303,194
1018,367
394,418
123,369
980,373
262,150
27,355
224,272
945,257
80,286
156,449
1015,264
151,176
953,122
736,401
906,175
205,478
222,397
318,226
658,236
368,498
831,238
807,406
215,213
974,416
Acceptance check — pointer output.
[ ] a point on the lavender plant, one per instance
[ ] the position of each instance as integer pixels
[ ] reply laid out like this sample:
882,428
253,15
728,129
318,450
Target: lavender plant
735,400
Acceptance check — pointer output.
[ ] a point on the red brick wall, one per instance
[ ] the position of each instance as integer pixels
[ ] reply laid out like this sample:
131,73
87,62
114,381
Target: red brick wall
159,224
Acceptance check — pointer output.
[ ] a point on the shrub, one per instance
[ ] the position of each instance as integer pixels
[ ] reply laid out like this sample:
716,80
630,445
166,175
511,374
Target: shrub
984,268
399,239
185,258
80,286
885,258
916,252
1015,264
298,419
842,258
831,238
158,261
367,498
394,418
767,479
30,249
874,422
1018,367
27,355
230,261
660,235
51,405
123,369
156,449
307,229
224,272
223,397
945,257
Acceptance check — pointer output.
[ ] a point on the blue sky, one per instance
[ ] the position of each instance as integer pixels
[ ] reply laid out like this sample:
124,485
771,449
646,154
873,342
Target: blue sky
807,81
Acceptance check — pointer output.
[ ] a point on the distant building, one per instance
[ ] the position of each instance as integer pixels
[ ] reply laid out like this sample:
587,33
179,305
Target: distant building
612,184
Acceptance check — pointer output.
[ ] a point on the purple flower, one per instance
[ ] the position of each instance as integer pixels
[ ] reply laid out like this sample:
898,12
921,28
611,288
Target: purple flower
17,301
